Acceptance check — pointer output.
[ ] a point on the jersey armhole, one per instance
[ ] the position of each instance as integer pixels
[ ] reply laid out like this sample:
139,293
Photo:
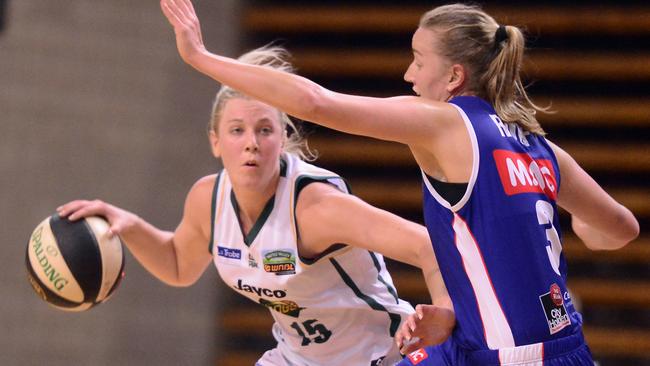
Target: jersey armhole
213,209
300,183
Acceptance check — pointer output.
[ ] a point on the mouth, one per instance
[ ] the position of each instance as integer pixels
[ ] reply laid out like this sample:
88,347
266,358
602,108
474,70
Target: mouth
251,163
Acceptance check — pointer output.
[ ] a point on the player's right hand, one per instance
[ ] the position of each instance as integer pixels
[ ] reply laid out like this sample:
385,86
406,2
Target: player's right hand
119,220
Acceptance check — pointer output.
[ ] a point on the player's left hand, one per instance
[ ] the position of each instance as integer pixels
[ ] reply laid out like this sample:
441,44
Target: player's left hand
428,326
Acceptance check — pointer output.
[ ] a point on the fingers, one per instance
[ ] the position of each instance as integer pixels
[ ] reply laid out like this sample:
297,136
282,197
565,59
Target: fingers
425,310
186,6
173,14
414,345
81,208
405,332
178,12
419,312
168,13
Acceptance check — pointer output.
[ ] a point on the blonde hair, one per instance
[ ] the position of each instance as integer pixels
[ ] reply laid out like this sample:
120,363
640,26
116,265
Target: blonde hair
493,61
272,57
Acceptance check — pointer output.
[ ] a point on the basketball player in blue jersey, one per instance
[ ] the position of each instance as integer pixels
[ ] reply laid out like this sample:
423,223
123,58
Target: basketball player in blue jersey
492,182
288,235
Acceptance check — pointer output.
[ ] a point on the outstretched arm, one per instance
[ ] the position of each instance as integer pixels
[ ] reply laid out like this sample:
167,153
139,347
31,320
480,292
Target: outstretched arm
409,120
597,219
176,258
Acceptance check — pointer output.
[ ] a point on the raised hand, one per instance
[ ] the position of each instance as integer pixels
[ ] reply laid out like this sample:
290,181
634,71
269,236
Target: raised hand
181,15
430,325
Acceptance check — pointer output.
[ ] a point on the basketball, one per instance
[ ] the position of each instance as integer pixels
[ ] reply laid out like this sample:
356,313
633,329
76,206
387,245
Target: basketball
74,265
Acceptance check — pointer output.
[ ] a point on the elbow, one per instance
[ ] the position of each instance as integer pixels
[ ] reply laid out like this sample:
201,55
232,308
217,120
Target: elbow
629,227
632,231
314,103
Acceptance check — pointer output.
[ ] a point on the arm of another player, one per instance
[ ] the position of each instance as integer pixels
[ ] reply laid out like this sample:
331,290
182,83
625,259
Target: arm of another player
382,118
597,219
176,258
431,324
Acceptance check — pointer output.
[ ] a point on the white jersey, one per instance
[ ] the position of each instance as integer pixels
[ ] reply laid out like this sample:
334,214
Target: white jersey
340,309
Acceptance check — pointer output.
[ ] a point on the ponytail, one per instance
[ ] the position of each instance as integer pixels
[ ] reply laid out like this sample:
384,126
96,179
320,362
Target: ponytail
502,82
492,56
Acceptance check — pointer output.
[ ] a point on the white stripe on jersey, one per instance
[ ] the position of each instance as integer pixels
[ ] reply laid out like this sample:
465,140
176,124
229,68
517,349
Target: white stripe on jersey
497,330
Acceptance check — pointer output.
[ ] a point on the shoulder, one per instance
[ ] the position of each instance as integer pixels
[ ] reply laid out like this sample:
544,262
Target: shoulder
319,200
317,192
204,185
200,195
440,111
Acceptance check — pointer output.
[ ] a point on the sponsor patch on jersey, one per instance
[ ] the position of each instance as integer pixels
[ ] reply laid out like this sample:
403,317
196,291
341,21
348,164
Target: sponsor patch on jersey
520,173
229,253
251,261
259,291
554,309
418,356
280,262
286,307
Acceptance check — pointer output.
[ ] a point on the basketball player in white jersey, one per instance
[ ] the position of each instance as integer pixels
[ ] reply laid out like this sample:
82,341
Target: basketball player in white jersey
289,236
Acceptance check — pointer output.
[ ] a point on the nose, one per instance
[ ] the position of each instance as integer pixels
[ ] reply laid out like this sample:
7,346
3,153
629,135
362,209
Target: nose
251,143
407,74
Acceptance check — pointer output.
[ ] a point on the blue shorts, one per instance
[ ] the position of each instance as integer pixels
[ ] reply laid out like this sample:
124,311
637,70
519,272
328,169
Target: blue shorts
567,351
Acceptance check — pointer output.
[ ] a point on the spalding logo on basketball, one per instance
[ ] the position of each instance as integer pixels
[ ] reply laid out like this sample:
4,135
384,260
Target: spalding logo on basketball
74,265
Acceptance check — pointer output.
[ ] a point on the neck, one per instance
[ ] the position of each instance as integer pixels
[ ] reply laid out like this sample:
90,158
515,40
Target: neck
251,202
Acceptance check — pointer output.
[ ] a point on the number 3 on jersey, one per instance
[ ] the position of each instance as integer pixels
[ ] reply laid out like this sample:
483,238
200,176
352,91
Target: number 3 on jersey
545,213
311,332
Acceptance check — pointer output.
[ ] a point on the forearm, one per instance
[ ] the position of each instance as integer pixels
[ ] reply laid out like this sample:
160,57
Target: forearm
609,238
153,248
433,279
288,92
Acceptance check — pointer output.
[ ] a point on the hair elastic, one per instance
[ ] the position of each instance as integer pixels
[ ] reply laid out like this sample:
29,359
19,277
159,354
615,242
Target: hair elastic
500,35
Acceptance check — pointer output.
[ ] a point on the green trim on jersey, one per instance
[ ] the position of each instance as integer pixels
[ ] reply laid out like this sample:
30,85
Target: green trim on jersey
300,183
390,288
213,208
283,168
332,248
266,212
395,319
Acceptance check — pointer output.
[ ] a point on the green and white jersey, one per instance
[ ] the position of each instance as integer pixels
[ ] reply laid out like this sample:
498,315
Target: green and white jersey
339,309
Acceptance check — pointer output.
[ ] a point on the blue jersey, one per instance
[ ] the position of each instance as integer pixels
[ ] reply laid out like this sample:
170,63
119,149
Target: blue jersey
499,247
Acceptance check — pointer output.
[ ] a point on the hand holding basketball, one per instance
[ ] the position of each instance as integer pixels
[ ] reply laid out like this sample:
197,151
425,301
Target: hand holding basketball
74,265
118,219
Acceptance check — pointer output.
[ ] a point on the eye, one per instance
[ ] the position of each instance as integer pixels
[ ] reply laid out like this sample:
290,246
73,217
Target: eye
266,130
236,130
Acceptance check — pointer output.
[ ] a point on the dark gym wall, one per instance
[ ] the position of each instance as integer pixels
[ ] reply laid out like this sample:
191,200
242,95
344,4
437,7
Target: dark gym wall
96,103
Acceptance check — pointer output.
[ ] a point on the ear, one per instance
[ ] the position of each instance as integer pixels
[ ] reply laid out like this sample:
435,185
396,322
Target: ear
214,144
457,79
